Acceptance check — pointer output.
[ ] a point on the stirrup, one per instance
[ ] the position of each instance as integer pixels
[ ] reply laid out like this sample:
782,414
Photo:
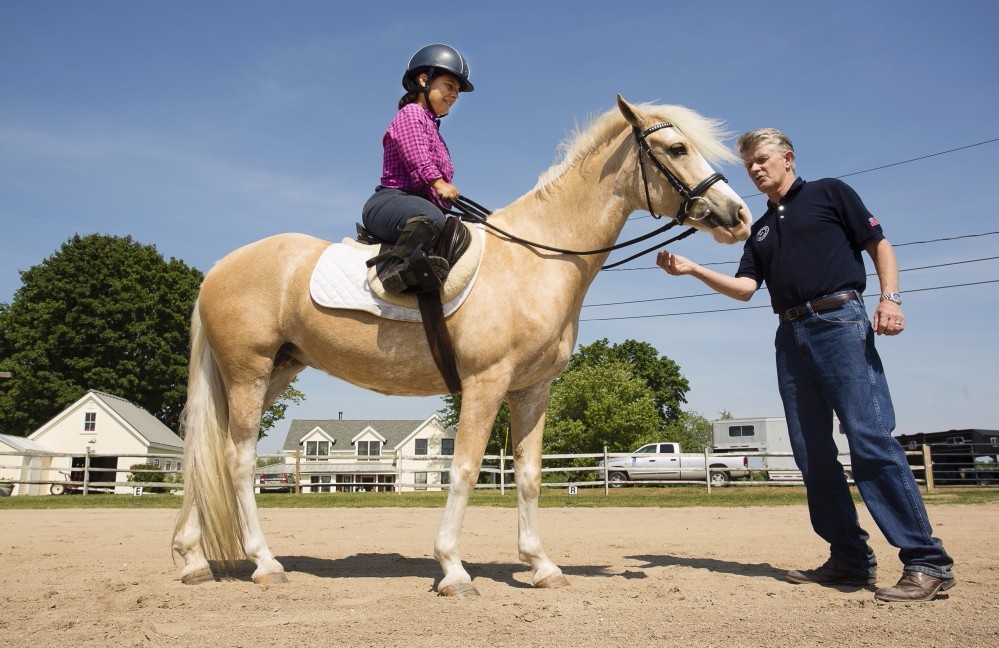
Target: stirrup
419,273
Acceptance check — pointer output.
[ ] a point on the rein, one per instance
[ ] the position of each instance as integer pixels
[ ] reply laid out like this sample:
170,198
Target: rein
471,211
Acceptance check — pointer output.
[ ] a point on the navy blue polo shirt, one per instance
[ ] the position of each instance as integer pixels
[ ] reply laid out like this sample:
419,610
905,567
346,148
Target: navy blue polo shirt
810,243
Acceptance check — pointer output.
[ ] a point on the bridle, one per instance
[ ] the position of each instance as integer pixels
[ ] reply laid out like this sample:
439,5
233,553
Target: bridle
471,211
689,196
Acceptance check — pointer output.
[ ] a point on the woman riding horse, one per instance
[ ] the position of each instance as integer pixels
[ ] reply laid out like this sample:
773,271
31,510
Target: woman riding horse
407,208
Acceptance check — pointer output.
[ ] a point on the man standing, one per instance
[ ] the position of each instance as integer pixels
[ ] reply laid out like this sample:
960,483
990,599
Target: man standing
807,249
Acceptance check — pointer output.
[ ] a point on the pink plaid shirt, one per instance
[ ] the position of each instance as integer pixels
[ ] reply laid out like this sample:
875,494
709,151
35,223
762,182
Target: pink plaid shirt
415,153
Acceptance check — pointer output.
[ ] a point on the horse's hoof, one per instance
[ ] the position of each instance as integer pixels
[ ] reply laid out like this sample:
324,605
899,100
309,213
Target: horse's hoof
202,575
553,581
273,578
459,590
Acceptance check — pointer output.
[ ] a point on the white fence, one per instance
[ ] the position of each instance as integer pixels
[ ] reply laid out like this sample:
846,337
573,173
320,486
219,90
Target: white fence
35,476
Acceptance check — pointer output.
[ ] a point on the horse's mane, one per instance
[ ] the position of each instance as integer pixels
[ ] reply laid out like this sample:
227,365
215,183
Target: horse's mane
705,135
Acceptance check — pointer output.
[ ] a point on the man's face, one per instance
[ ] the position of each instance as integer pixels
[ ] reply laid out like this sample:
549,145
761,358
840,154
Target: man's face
768,168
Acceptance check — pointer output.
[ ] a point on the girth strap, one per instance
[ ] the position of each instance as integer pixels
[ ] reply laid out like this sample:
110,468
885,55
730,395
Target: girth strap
441,347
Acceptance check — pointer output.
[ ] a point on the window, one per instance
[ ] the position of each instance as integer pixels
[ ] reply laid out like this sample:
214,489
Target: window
320,479
445,478
371,449
741,430
421,446
447,446
166,464
420,479
317,448
155,462
89,421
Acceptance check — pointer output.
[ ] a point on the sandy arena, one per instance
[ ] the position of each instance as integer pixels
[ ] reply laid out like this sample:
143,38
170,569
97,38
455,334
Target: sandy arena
365,577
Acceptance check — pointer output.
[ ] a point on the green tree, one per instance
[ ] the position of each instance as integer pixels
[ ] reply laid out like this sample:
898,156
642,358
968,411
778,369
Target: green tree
596,406
105,313
662,375
692,431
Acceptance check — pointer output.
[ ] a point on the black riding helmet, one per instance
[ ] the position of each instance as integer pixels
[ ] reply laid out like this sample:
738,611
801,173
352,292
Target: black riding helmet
433,58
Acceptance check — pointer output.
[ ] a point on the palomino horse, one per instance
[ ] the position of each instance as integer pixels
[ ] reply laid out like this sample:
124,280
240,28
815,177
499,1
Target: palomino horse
255,327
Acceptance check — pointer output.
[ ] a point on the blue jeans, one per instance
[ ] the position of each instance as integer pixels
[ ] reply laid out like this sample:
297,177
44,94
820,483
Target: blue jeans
826,362
387,210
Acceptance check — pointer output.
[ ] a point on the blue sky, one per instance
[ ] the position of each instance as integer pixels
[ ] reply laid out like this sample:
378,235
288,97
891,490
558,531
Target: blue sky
201,126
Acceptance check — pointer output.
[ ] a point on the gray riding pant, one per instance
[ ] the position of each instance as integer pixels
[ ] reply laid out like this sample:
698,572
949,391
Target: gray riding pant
387,210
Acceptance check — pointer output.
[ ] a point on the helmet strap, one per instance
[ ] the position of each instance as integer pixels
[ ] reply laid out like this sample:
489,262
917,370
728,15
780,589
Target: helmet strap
426,93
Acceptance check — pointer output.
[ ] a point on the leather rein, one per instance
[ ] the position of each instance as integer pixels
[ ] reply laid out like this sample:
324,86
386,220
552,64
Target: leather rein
471,211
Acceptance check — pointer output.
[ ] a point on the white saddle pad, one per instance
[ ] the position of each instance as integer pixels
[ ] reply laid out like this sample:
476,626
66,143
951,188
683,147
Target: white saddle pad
341,280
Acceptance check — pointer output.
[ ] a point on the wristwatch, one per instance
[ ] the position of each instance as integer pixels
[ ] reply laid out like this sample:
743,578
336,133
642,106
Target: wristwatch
892,297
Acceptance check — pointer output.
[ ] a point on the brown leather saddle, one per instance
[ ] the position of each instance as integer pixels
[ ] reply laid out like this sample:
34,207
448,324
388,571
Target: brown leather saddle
452,243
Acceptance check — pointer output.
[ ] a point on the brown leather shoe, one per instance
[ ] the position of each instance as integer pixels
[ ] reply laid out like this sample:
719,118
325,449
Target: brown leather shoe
829,574
914,586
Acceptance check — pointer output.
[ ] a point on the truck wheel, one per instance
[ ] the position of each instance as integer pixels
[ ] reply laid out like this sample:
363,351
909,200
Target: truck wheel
720,478
617,479
57,489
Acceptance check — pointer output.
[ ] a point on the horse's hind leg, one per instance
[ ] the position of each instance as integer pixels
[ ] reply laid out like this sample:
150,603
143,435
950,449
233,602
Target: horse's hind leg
245,407
187,542
527,421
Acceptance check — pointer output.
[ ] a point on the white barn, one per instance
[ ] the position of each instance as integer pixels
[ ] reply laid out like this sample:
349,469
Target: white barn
116,434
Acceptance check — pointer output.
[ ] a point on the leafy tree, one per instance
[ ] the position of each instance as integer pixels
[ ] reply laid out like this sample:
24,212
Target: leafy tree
662,375
596,406
692,431
106,313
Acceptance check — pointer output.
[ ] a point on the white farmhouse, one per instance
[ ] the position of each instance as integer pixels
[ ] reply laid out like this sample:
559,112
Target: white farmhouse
368,455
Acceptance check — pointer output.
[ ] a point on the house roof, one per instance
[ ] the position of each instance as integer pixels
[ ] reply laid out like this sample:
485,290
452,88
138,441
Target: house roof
23,444
394,431
145,424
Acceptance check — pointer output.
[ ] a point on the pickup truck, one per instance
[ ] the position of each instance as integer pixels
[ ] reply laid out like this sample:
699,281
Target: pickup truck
666,462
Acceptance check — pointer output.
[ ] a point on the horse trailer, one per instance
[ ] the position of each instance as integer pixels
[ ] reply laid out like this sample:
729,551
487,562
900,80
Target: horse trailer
768,435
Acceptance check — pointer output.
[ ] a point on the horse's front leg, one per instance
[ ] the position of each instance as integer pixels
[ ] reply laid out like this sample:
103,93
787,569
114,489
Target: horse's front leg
527,422
244,422
478,411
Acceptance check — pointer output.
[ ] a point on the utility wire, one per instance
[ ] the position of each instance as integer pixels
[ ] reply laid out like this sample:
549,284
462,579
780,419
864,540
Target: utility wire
711,294
742,308
896,245
883,166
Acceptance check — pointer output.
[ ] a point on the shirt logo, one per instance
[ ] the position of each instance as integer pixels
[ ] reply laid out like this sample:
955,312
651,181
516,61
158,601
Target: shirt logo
762,234
873,221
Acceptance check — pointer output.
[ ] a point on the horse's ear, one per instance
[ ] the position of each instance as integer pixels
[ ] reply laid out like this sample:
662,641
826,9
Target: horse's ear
634,117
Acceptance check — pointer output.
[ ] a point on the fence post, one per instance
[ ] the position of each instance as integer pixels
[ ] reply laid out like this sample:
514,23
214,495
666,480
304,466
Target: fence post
606,473
707,470
502,471
298,471
86,472
928,468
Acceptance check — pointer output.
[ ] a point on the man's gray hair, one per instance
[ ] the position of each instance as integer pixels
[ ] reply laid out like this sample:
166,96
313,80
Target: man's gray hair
752,139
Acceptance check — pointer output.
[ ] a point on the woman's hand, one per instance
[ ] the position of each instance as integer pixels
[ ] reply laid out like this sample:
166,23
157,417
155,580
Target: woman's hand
445,190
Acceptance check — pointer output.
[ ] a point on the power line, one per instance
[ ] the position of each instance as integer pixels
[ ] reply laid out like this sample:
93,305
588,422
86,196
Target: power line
742,308
896,245
711,294
884,166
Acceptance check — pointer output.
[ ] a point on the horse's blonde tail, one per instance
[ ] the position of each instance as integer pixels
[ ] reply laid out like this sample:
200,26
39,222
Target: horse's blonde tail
208,487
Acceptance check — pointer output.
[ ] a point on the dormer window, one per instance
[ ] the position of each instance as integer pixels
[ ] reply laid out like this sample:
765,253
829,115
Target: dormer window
314,449
369,449
90,421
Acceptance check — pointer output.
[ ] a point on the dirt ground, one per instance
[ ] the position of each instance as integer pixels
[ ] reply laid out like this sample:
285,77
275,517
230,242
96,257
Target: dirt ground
365,577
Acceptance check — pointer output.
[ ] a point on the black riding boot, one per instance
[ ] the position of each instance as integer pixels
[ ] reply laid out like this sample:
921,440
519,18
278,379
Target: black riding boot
407,264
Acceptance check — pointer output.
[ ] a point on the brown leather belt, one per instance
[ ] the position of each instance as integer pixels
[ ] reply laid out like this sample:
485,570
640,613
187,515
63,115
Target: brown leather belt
828,302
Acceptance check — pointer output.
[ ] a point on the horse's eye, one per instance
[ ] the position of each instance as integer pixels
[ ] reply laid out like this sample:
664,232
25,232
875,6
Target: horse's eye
677,150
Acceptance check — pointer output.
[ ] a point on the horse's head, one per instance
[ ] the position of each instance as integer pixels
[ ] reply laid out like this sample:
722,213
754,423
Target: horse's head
674,145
